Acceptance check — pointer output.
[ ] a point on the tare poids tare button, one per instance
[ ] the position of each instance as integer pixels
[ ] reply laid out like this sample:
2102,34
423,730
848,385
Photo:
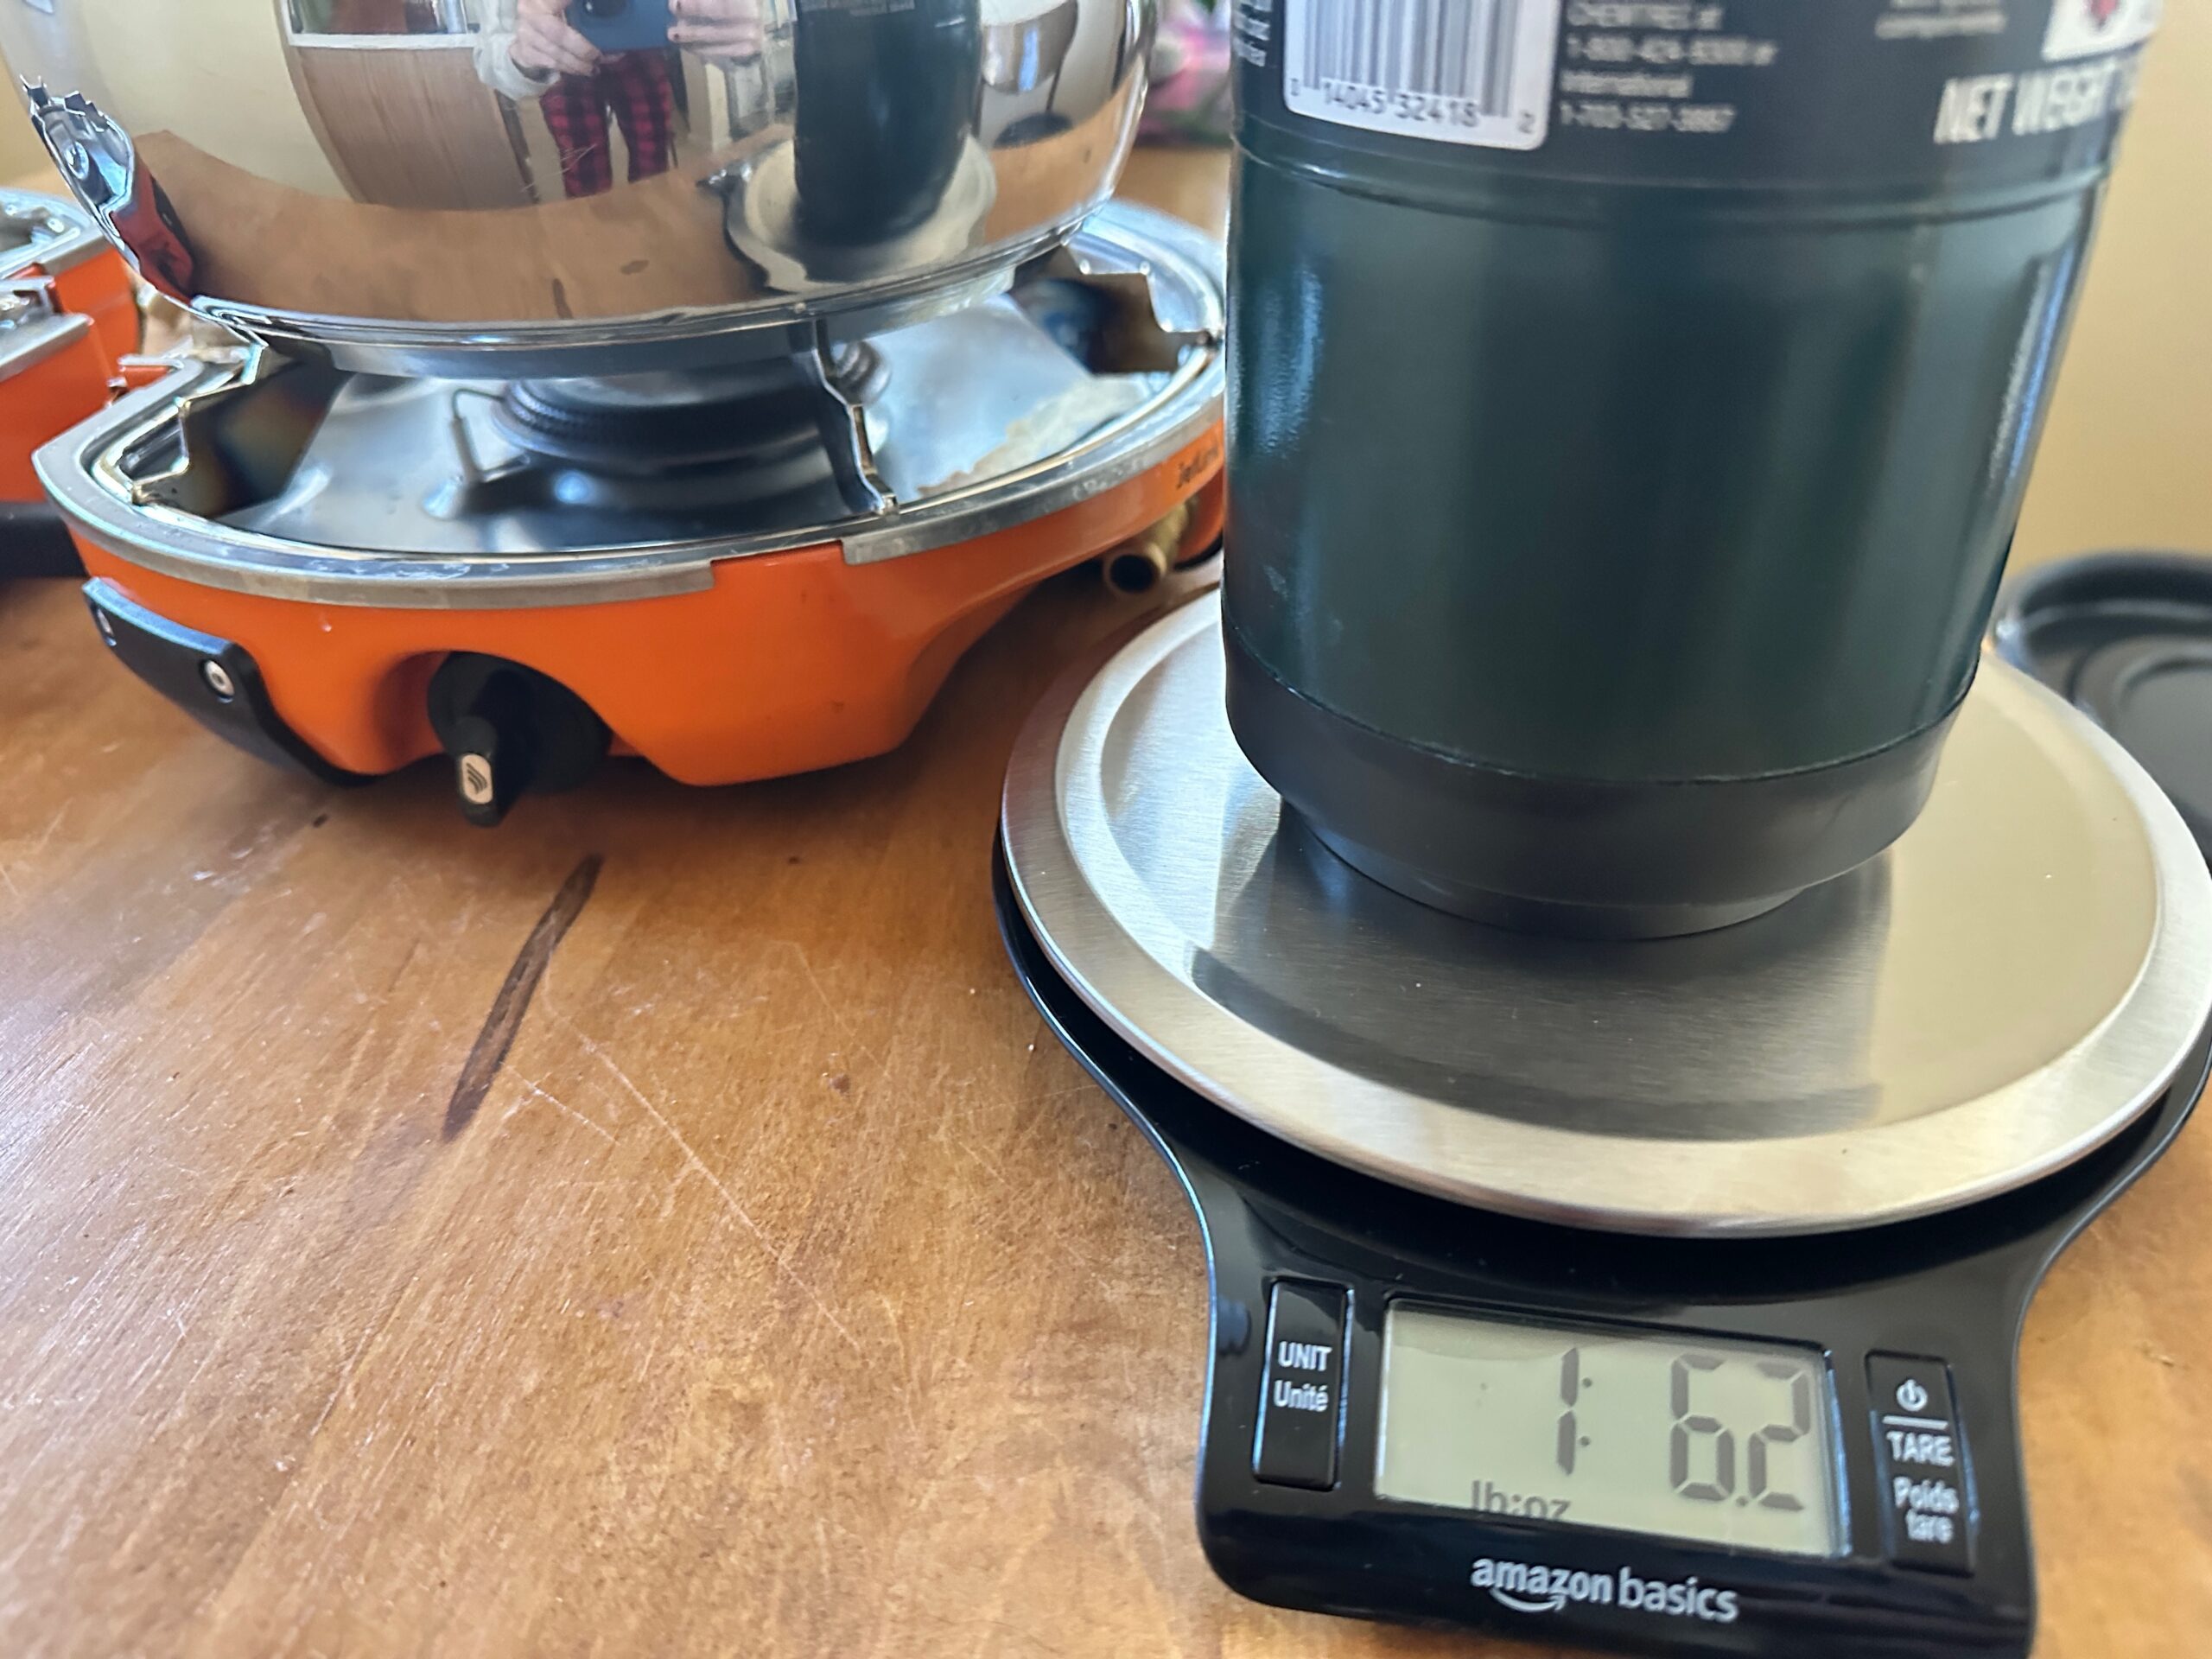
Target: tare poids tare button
1919,1458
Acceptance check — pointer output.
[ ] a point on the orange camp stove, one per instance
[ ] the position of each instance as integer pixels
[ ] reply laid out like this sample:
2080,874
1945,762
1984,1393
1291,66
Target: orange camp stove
68,314
736,571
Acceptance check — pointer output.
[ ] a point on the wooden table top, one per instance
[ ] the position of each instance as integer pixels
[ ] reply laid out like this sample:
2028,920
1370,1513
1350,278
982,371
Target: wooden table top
662,1225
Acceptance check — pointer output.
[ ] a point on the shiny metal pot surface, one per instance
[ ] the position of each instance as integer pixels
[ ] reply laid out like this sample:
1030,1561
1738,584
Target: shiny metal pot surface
471,186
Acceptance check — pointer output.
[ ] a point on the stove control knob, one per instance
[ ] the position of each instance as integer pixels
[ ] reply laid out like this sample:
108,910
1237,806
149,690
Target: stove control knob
510,728
490,769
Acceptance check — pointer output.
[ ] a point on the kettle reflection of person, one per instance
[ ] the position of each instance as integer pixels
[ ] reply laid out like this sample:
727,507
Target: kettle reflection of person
528,50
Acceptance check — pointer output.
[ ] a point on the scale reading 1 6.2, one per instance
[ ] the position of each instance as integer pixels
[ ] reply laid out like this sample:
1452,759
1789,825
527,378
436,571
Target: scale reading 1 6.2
1717,1442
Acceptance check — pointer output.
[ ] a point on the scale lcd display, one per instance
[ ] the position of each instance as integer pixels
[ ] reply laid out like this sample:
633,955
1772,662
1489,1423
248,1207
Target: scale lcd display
1714,1442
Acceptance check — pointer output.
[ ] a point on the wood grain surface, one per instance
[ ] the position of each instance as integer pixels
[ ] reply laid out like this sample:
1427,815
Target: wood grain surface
662,1225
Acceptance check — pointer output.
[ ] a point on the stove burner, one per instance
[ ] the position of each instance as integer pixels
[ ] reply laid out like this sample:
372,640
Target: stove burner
685,441
1095,364
645,424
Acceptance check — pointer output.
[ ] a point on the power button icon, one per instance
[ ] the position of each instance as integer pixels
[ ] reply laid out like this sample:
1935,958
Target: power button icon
1911,1396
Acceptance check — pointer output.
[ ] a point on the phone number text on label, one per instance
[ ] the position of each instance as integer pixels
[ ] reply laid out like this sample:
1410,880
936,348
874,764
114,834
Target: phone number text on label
1606,115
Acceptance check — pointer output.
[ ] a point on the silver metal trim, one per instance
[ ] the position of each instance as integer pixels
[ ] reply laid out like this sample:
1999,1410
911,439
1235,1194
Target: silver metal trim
30,341
1111,934
81,470
624,344
75,238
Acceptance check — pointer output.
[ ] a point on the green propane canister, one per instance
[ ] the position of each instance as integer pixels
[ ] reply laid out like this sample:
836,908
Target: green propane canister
1630,406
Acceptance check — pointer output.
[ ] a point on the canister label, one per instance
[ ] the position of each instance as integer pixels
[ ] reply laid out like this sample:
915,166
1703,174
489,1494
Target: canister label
1478,71
1711,90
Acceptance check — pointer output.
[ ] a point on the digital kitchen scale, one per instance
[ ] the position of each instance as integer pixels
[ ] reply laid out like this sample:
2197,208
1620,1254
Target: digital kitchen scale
1661,1296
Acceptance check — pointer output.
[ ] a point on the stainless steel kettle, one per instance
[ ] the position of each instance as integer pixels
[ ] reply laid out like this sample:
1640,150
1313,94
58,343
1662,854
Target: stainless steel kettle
406,189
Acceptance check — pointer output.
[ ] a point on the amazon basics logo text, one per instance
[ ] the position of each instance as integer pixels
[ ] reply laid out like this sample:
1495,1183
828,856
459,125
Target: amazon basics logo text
1533,1589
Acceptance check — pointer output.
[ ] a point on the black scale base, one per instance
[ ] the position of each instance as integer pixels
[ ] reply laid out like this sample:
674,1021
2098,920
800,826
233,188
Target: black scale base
1941,1298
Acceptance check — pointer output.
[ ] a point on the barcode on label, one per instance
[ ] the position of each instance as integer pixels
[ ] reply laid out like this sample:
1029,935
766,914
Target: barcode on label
1460,71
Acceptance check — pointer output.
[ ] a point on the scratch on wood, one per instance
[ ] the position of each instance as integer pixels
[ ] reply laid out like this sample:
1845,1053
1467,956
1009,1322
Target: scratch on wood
52,824
345,1377
563,1108
837,1015
490,1050
693,1162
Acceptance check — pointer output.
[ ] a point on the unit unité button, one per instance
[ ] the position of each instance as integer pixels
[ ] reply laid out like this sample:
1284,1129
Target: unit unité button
1916,1452
1301,1386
